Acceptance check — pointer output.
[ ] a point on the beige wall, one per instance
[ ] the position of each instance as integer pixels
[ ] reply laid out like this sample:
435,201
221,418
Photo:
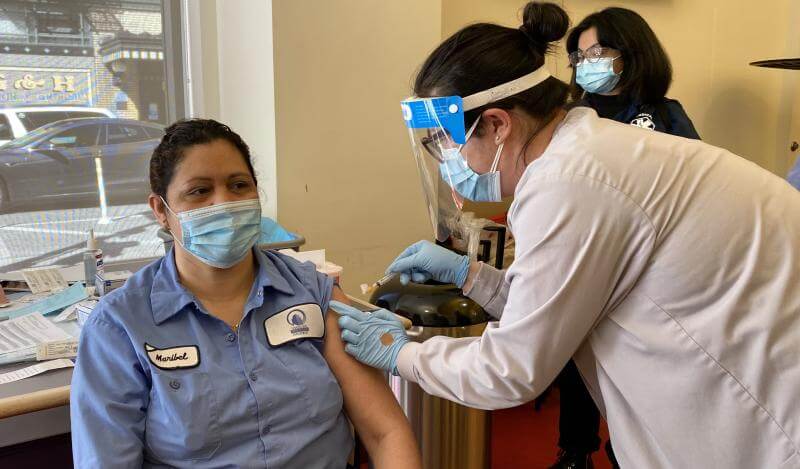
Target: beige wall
749,110
346,177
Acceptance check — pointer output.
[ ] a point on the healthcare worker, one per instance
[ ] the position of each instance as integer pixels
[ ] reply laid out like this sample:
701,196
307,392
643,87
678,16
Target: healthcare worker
622,72
219,354
668,268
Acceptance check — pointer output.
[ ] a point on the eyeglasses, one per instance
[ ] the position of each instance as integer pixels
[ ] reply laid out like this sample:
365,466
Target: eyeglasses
592,54
434,142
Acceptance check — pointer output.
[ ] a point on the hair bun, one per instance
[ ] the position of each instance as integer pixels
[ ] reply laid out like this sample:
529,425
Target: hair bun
543,23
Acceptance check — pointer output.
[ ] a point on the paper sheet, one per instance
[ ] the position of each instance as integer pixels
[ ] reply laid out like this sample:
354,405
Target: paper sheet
59,349
25,333
50,303
44,280
34,370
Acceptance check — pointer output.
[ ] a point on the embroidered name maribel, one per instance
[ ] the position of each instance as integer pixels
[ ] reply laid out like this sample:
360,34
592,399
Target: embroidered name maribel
173,357
297,319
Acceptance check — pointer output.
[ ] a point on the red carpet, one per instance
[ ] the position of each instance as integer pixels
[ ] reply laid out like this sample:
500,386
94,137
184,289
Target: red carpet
525,438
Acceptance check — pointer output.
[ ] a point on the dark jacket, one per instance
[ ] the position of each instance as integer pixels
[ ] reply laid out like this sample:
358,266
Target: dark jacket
667,116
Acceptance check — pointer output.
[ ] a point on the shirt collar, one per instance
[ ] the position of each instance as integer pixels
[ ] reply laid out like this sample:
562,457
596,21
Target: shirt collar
168,296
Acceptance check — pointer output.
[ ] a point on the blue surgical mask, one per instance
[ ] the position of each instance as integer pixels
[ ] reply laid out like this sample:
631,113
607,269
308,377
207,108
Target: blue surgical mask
597,77
220,235
469,184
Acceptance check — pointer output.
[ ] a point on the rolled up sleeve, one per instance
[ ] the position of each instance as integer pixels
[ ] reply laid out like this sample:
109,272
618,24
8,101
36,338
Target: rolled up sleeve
490,290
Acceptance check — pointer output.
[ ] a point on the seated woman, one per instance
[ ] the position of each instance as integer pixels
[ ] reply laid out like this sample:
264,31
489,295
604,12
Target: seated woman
219,354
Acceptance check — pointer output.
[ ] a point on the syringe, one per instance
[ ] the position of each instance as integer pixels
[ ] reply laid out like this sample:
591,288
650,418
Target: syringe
368,289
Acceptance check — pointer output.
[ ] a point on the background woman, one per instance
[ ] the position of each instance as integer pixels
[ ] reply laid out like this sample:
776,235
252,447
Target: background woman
621,71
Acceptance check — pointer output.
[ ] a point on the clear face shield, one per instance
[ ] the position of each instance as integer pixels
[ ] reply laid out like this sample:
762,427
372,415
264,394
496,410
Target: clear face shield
436,128
436,133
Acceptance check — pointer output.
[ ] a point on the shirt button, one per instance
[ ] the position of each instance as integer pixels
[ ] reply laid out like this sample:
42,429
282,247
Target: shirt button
230,337
175,384
267,429
253,377
260,292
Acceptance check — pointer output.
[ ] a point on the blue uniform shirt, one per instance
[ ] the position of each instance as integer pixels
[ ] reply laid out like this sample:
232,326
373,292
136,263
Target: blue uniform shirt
230,400
667,116
794,174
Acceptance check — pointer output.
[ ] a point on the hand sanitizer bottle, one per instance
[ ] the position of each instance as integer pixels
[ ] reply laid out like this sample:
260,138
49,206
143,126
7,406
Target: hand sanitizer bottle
92,260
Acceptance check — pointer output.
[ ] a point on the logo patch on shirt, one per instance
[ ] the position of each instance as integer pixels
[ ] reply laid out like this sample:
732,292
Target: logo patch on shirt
644,121
173,358
298,322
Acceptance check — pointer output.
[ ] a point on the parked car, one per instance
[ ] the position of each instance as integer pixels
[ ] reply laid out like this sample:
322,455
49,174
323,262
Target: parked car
58,165
15,122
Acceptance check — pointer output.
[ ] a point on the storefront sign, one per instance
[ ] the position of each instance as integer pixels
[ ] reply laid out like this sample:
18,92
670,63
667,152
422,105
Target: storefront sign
20,86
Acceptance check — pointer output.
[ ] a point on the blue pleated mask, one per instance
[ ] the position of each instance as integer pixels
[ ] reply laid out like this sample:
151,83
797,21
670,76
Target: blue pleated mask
220,235
469,184
597,77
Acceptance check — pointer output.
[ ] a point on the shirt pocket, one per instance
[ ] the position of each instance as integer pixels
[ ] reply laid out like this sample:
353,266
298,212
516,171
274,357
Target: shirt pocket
182,418
319,389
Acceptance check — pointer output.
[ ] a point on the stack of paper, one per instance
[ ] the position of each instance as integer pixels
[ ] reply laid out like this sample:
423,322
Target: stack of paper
21,337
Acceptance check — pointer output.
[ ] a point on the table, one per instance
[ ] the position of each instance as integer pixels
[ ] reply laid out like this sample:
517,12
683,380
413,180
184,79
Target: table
35,407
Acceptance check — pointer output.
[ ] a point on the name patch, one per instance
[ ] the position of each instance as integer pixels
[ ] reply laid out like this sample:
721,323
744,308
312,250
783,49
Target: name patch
298,322
173,358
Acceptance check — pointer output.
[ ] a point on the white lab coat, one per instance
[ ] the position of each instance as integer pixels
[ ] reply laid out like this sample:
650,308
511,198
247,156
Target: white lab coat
670,270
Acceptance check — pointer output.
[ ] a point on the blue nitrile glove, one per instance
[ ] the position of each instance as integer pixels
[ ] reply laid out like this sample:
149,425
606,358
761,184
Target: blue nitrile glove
424,260
373,338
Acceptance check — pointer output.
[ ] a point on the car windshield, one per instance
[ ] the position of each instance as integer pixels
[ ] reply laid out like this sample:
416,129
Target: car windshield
31,137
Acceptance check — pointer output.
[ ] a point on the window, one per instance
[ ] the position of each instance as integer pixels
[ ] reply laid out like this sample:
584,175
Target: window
119,134
78,136
5,128
116,64
35,119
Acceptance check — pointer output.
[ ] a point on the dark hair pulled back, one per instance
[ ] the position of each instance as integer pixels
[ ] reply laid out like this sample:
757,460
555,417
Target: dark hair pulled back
180,136
484,55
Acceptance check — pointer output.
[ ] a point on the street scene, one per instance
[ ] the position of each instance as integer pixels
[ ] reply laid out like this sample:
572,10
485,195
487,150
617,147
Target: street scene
83,103
58,237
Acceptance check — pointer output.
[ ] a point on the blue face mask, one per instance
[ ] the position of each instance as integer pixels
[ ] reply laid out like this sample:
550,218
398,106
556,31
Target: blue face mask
220,235
598,77
469,184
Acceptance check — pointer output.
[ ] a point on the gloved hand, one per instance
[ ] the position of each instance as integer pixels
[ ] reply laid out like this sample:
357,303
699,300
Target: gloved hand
424,260
373,338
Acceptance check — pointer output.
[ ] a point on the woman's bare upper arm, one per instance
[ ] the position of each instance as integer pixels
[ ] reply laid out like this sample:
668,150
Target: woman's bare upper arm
368,400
